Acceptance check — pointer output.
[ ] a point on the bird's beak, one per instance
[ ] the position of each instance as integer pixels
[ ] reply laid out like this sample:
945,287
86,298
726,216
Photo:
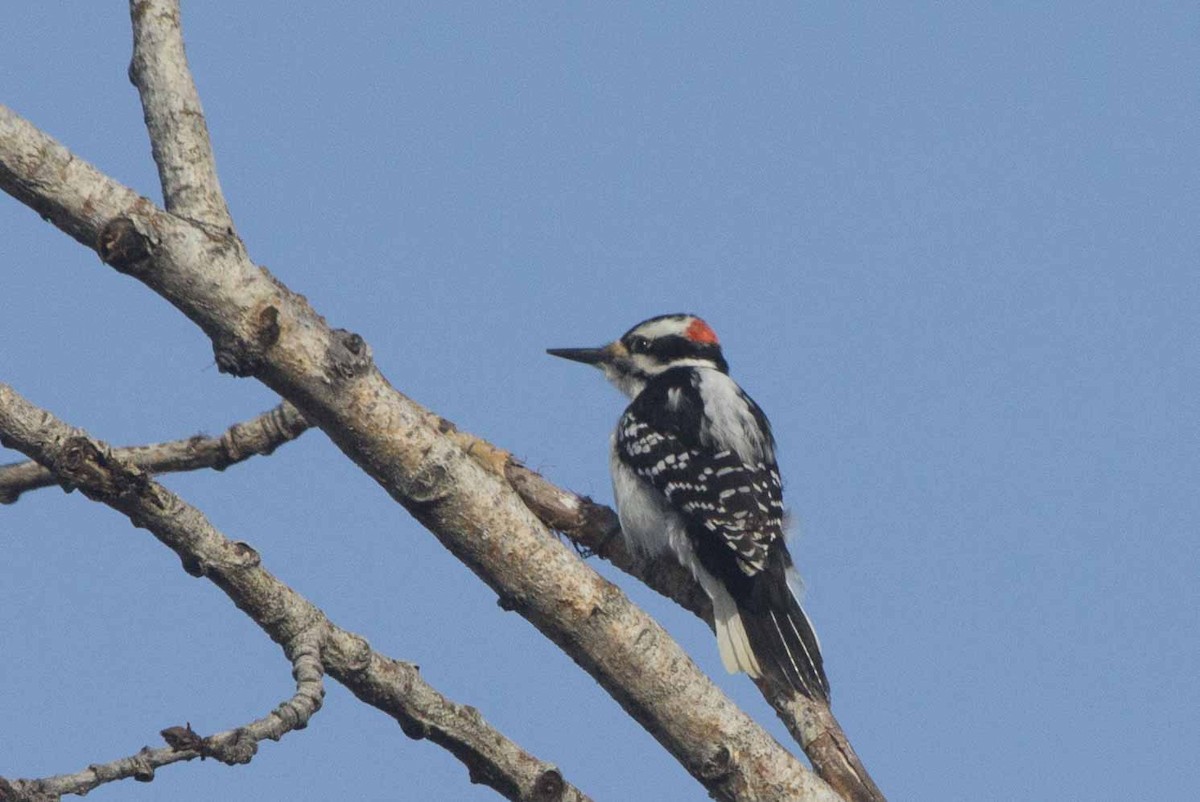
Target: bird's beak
588,356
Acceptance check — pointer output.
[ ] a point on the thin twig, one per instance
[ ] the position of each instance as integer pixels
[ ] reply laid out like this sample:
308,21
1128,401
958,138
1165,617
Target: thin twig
394,687
231,747
258,436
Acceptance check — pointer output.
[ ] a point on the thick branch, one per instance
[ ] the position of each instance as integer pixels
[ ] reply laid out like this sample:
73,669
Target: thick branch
231,747
241,441
591,526
290,619
595,528
46,177
178,132
260,328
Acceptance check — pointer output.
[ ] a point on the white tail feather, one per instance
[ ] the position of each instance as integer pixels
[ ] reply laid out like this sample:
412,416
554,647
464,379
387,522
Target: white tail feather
732,641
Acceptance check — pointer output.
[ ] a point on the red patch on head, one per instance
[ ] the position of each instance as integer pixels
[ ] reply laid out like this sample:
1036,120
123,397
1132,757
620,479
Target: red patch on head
700,332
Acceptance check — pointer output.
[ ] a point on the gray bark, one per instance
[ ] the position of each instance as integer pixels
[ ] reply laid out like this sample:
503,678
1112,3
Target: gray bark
260,328
311,641
258,436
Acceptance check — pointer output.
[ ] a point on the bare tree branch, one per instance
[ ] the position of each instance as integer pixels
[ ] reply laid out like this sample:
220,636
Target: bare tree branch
591,525
241,441
594,527
81,198
288,618
178,131
231,747
820,735
260,328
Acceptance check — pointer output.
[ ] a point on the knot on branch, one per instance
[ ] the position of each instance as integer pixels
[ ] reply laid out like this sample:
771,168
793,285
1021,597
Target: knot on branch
126,246
427,487
507,603
268,329
549,786
717,765
86,465
417,730
295,713
304,650
244,555
305,653
290,718
183,739
358,655
143,769
236,357
238,749
244,355
193,566
349,355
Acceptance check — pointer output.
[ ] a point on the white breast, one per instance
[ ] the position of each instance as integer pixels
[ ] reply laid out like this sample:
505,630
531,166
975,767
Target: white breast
646,520
651,527
649,524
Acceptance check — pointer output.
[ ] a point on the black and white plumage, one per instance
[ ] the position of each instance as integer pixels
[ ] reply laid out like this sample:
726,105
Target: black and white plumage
694,473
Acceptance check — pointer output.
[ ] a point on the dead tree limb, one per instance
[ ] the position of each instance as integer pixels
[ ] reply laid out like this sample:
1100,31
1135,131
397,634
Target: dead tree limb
192,257
260,328
288,618
231,747
179,138
591,525
241,441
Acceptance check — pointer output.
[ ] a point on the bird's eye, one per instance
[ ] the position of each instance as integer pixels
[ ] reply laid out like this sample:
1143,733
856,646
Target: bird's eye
639,345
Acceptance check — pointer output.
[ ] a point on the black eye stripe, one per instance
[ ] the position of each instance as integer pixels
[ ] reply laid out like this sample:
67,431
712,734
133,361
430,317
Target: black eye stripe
638,345
676,347
671,347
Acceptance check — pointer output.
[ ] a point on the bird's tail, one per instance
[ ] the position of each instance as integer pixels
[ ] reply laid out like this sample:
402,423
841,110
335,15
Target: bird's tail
732,639
783,641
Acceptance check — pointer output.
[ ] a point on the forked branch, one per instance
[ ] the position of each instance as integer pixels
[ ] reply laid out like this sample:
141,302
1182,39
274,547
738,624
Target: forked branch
307,636
260,328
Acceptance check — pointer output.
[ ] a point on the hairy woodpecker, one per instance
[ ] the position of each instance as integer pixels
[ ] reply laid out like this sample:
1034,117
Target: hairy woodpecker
694,473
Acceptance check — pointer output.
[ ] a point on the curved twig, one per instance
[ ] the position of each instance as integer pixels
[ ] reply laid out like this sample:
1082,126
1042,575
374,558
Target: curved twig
291,620
231,747
241,441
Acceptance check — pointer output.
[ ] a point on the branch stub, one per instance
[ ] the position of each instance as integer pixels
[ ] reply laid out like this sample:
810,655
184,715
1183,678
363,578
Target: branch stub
122,245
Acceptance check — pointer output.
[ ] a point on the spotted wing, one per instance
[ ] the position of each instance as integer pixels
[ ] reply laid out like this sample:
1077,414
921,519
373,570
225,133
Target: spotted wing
715,466
733,508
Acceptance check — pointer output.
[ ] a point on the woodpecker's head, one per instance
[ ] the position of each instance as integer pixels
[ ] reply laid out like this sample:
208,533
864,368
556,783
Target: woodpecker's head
652,347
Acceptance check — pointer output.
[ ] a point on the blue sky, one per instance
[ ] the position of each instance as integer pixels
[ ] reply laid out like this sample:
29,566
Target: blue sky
951,250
